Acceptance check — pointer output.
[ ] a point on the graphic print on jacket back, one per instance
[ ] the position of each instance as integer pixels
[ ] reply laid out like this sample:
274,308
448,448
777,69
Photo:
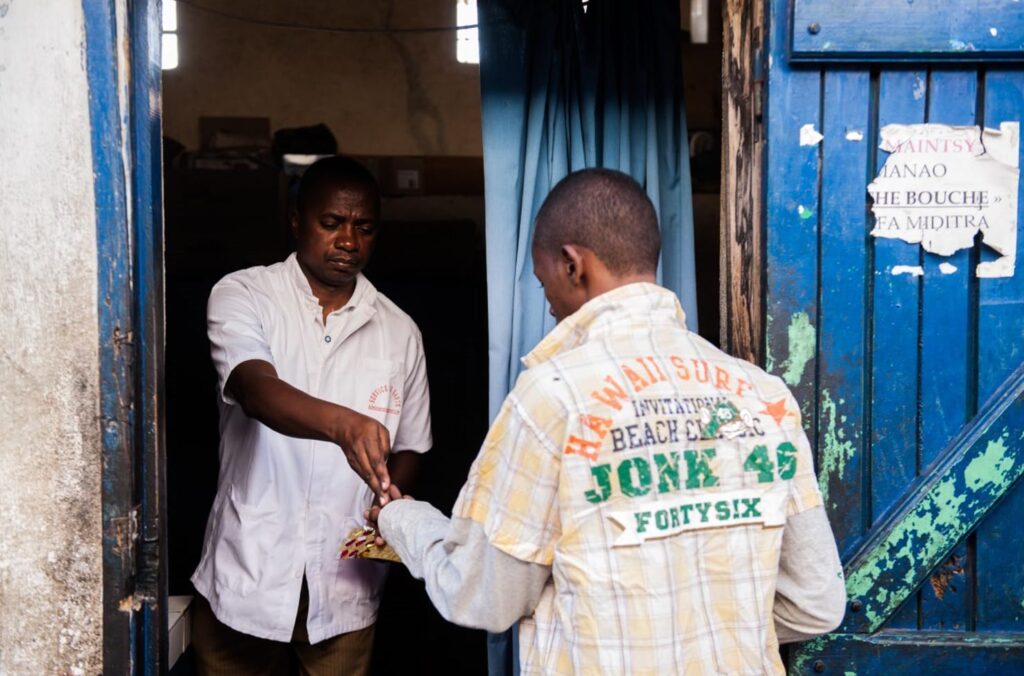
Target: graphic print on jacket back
654,474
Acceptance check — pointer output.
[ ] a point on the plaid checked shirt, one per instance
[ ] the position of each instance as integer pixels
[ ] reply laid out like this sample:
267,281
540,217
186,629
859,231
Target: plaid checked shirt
653,474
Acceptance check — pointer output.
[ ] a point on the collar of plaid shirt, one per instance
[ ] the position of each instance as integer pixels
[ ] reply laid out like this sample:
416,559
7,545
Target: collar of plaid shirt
639,303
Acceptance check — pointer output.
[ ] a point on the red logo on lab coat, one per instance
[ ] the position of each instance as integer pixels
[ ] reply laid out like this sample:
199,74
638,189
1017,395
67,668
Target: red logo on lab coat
386,399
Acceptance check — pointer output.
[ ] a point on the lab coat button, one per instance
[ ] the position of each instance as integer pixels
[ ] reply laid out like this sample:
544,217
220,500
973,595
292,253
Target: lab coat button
327,339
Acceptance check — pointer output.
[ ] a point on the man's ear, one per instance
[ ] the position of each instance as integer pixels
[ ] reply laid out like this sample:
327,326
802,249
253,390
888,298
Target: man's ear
572,263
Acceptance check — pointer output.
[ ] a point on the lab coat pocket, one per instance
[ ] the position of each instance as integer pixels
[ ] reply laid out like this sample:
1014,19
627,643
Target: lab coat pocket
245,544
382,396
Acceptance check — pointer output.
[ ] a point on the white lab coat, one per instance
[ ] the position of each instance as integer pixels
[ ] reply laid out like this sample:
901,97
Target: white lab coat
283,504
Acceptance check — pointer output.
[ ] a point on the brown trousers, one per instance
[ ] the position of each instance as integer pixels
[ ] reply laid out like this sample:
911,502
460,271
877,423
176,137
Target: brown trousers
222,651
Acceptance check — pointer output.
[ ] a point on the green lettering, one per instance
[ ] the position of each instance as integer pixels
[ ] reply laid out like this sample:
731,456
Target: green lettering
642,486
668,471
661,519
602,475
722,510
703,512
751,505
641,521
787,460
698,468
686,513
758,462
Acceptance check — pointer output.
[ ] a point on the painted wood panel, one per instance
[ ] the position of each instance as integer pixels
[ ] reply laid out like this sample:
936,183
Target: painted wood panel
894,330
946,360
891,370
791,268
1000,345
908,30
843,308
912,652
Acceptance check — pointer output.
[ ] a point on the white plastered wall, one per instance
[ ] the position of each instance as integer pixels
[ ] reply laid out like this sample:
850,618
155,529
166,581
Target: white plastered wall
50,519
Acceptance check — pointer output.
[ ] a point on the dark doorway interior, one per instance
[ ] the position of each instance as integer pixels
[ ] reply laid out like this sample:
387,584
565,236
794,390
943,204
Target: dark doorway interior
434,270
404,99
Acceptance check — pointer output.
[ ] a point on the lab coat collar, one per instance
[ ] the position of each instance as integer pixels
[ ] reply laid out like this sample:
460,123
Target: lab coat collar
362,303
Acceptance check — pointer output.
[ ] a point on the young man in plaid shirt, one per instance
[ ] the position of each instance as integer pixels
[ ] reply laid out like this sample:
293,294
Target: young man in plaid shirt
644,503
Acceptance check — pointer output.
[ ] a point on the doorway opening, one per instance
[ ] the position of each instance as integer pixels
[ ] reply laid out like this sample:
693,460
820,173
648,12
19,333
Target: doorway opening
255,91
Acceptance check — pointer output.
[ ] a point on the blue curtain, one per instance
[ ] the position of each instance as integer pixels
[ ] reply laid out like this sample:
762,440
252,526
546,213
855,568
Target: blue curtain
562,90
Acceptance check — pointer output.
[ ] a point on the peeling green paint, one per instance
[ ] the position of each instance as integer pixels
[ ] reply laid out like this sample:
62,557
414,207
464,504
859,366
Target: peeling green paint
801,348
988,467
942,516
836,450
913,541
808,651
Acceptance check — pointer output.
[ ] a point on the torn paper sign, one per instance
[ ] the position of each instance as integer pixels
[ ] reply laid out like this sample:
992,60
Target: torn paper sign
941,185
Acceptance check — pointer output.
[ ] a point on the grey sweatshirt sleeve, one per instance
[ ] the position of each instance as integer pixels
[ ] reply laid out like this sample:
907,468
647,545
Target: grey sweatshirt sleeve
470,581
810,595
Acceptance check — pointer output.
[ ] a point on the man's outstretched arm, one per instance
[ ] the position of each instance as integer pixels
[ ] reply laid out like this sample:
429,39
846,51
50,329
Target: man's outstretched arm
471,582
256,387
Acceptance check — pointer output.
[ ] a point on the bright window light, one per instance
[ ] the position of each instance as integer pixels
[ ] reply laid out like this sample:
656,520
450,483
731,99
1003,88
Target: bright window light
467,40
169,53
169,37
169,16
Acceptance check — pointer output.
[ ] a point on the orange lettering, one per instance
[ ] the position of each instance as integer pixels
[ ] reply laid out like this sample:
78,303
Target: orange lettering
635,380
643,362
577,446
682,371
657,368
740,386
598,425
610,396
696,371
721,378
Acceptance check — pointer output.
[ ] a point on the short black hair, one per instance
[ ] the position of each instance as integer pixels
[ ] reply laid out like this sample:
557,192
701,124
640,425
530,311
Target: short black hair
605,211
335,170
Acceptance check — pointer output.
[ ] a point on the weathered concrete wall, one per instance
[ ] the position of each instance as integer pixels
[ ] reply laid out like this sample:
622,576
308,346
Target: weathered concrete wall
50,548
381,94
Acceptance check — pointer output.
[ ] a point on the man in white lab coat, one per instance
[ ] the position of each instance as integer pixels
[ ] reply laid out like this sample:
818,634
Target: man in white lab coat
322,382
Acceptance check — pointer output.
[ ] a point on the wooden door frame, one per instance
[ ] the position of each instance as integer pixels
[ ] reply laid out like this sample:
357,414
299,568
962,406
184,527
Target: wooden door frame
122,57
741,254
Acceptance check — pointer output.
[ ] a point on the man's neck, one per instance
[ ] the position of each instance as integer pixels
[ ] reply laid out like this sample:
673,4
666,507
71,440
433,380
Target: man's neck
331,298
603,283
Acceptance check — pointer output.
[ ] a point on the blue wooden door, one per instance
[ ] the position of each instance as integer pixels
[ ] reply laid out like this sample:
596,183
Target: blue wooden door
911,385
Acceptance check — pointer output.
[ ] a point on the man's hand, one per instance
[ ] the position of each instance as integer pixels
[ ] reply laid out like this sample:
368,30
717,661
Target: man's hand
373,513
366,445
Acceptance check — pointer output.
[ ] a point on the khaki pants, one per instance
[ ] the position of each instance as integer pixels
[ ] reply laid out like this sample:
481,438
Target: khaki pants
222,651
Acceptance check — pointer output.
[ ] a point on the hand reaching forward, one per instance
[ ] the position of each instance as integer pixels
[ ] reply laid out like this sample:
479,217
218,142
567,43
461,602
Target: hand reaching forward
366,445
373,512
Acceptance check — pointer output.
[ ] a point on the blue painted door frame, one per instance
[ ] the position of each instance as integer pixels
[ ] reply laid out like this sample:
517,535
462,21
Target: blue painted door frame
934,581
911,387
124,102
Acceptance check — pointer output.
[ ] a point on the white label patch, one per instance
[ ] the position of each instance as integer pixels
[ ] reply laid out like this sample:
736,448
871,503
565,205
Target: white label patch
663,518
913,270
809,136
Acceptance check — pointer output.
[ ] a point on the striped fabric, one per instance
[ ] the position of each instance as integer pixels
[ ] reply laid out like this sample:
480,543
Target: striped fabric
653,473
